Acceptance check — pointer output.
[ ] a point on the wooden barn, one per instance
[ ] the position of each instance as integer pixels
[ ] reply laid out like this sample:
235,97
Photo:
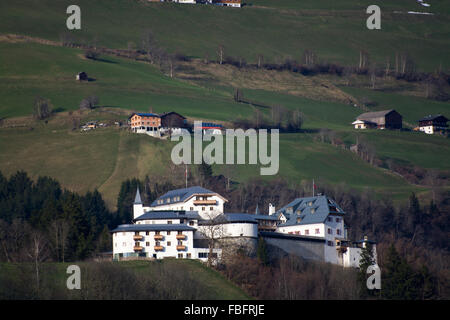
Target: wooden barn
172,120
386,119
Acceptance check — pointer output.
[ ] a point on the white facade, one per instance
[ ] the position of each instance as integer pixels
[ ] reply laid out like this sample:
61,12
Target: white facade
331,229
151,131
183,218
427,129
166,229
207,205
229,230
359,124
154,244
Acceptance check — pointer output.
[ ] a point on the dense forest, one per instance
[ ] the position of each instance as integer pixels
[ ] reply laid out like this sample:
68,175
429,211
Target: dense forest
40,221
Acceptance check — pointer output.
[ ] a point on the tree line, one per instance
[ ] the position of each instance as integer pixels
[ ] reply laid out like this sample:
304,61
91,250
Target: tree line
401,67
41,221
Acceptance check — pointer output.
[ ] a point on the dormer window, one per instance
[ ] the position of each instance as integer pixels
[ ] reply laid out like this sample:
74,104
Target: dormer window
310,203
298,211
313,210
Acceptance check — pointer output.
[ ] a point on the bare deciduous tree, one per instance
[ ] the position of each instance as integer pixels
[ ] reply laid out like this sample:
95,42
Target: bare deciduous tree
60,229
89,102
37,252
363,59
309,58
212,230
220,53
42,108
260,60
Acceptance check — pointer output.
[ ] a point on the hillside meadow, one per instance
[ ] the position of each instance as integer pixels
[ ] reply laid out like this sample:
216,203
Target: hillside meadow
336,31
156,280
103,158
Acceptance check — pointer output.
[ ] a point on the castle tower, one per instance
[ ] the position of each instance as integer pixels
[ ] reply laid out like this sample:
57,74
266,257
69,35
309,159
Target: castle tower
138,209
271,209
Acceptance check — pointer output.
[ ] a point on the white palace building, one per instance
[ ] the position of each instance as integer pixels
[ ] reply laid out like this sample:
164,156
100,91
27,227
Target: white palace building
184,223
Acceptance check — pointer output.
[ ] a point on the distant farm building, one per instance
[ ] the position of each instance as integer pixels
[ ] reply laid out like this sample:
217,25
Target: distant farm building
209,128
172,122
82,76
227,3
433,123
386,119
148,123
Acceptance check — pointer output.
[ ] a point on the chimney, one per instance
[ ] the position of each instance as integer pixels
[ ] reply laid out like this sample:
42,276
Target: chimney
271,209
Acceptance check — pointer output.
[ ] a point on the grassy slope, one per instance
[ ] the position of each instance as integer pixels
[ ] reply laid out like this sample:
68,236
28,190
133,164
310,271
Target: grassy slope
411,108
28,70
335,30
106,157
216,285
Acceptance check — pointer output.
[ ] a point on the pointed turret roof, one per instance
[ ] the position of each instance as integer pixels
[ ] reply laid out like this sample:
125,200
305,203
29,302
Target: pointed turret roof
137,199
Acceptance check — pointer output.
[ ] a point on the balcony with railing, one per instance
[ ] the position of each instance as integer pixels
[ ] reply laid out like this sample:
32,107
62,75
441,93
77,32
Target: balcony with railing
181,248
181,237
159,248
137,237
158,237
137,248
204,202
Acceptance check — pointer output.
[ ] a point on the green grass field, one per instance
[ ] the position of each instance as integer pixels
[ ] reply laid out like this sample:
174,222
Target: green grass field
103,158
29,70
54,277
410,107
276,28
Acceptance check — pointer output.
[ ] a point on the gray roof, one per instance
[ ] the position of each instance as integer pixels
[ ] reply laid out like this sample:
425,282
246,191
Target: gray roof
240,217
183,194
152,227
433,117
376,114
309,210
169,214
137,199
